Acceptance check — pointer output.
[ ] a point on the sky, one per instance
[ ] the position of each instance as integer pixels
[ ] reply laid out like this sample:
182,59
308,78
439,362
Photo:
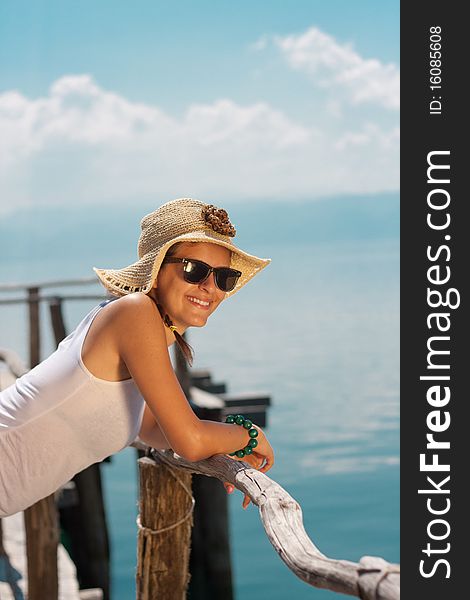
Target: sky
119,102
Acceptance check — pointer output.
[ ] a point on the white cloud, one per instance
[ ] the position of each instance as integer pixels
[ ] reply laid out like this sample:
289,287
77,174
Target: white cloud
225,122
75,111
331,64
82,143
78,111
369,134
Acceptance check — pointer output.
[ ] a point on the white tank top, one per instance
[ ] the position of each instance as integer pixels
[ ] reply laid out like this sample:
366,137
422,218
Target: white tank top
58,419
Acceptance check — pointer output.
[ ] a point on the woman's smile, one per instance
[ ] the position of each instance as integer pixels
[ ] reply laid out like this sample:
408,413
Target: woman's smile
199,303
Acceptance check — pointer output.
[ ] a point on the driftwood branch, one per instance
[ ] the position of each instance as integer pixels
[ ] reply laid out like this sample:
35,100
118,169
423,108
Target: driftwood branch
371,579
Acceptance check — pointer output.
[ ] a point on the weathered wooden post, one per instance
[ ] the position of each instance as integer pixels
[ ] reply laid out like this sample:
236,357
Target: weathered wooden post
2,550
165,521
34,327
57,319
40,520
42,540
210,563
90,533
181,369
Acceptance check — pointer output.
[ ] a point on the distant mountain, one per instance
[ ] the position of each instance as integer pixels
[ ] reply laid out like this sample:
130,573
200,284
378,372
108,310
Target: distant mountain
39,232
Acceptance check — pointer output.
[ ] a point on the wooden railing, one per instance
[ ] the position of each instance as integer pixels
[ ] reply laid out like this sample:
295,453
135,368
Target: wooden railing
163,534
34,296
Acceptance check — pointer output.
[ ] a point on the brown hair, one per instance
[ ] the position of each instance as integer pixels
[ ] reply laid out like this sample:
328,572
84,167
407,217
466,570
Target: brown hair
183,345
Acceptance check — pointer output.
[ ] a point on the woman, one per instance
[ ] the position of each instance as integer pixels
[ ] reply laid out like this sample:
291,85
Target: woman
111,379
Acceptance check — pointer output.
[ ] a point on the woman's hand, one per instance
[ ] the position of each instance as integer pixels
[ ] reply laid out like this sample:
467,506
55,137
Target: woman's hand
263,454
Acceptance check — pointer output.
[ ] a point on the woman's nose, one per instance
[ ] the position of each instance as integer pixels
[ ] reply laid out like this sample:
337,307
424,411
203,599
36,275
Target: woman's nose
209,283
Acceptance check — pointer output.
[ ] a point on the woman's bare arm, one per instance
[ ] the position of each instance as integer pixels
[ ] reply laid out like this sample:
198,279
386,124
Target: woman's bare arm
142,345
150,431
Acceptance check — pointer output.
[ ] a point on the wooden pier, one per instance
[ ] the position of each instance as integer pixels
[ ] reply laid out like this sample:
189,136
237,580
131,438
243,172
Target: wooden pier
14,568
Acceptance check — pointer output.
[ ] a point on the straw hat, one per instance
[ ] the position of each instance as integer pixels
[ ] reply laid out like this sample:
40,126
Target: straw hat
181,220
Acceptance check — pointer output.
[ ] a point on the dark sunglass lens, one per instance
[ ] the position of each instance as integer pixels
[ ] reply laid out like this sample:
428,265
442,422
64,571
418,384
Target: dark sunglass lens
226,279
195,271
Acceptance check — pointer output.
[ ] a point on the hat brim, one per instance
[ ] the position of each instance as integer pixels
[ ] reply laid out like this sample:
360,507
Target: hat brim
140,276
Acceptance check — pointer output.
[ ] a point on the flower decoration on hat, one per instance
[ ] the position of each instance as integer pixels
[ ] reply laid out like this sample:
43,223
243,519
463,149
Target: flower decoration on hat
218,220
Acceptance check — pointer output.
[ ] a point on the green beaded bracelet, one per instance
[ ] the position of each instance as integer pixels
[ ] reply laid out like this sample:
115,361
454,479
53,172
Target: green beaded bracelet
252,432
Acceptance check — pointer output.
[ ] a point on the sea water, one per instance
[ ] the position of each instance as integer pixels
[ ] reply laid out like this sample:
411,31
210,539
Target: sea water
318,330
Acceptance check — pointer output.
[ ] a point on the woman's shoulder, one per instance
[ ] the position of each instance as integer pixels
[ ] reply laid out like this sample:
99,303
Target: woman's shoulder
137,328
131,310
121,324
133,299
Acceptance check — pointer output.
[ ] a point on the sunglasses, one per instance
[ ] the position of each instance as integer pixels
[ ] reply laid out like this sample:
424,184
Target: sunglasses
196,271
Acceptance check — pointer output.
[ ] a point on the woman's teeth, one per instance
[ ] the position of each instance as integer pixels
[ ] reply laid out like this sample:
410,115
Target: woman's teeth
197,301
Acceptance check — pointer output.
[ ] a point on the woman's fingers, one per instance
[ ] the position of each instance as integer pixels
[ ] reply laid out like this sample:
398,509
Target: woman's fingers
246,500
267,460
266,467
268,464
